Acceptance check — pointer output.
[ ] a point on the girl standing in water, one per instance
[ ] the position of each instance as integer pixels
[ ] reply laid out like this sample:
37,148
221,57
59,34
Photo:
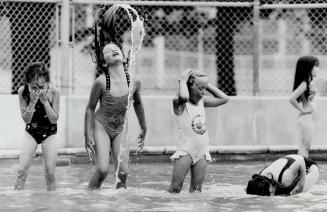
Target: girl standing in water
302,99
39,103
193,149
105,129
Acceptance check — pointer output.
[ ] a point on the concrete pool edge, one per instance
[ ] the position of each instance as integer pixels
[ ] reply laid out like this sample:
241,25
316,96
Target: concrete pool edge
163,153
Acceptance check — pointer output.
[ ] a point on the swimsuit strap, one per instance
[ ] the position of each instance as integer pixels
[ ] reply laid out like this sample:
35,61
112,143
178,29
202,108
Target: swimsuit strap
263,169
128,78
108,79
309,162
287,165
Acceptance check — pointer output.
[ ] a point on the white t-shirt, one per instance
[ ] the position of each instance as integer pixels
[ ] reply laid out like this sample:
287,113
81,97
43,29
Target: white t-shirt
192,132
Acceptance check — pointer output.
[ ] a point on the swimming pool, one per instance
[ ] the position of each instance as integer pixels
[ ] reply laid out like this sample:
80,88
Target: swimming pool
223,190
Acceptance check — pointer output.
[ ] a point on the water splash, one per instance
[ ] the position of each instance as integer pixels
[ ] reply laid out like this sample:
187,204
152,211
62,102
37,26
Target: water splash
137,35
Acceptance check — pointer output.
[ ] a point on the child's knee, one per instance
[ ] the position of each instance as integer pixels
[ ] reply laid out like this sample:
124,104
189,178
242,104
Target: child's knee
122,175
21,178
50,176
22,174
175,189
176,186
50,180
195,187
102,172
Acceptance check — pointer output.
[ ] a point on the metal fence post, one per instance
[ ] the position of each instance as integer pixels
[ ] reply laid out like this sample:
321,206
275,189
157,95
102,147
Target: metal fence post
65,57
64,34
256,46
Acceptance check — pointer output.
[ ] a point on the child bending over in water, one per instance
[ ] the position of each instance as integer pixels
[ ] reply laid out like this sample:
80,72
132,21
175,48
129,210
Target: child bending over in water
287,175
193,150
39,103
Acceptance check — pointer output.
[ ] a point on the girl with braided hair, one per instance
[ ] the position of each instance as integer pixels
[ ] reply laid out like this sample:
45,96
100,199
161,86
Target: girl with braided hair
104,128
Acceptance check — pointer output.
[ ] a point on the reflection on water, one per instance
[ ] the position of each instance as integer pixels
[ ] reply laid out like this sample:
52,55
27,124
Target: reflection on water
224,190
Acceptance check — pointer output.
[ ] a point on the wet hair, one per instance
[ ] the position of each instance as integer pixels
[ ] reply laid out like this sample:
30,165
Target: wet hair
107,30
192,77
259,185
303,73
34,71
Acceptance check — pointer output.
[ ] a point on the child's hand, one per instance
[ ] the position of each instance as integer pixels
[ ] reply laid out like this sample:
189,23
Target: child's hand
90,148
34,96
185,75
140,140
43,97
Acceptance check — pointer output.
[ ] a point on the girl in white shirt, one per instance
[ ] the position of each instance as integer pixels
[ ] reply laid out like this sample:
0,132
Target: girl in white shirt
193,149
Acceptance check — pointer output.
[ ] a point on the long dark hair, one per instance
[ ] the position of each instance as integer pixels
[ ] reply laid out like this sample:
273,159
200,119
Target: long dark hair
259,185
303,71
34,70
109,29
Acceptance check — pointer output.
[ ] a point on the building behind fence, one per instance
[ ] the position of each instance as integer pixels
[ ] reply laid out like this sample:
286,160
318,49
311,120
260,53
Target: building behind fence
245,47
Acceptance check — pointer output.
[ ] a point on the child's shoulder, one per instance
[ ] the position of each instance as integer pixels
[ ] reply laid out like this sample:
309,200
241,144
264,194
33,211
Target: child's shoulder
100,82
21,90
100,79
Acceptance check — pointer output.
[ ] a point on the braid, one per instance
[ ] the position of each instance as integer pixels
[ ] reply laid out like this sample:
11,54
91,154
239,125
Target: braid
109,29
99,39
126,65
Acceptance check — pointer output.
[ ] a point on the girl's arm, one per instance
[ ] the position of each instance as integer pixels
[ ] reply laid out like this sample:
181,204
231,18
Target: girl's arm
27,110
139,110
183,94
52,111
90,108
219,97
89,116
295,95
301,174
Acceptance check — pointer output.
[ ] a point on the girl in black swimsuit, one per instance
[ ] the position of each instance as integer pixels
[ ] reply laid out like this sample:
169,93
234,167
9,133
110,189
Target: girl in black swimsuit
288,175
39,105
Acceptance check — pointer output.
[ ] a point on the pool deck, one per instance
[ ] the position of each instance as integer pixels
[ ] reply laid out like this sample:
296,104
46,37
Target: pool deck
162,154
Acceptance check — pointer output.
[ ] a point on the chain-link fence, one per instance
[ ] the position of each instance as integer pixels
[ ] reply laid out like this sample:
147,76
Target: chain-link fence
245,47
27,33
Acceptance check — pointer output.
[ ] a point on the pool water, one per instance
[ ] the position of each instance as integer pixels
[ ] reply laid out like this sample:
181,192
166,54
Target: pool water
223,190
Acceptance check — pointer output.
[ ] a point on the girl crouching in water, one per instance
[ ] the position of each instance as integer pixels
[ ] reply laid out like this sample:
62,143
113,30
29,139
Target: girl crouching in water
287,175
193,150
39,104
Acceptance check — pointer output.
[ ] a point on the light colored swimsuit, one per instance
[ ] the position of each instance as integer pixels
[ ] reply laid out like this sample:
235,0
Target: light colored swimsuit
307,121
192,133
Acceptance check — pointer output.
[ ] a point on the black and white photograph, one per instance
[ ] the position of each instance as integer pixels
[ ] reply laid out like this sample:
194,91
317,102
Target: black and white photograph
163,105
